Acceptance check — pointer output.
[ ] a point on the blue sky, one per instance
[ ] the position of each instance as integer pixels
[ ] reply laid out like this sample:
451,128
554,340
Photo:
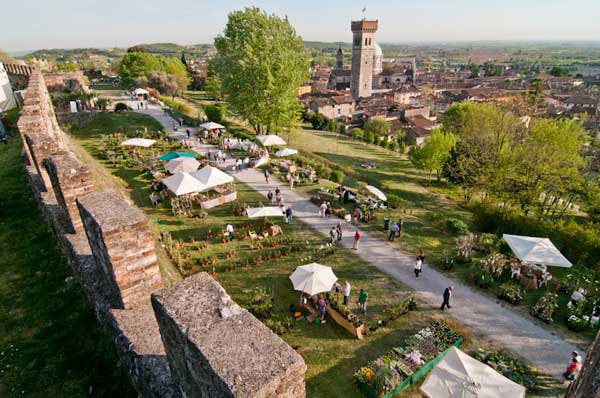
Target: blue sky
37,24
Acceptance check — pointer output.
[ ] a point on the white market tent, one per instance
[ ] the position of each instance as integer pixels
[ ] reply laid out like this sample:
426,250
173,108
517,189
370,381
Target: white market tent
243,146
536,251
183,183
313,279
141,91
182,164
459,375
268,211
143,142
270,140
375,191
286,152
211,177
211,126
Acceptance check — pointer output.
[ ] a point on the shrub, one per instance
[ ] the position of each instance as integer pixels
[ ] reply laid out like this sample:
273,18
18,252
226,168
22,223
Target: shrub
343,129
511,292
357,134
393,146
545,307
370,137
464,247
456,226
120,107
483,279
487,243
337,176
215,113
394,201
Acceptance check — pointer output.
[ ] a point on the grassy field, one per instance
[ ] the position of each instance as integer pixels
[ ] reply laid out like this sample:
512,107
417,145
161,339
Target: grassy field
50,343
332,355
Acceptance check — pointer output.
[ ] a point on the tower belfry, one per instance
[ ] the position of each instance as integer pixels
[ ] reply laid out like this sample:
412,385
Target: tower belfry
363,44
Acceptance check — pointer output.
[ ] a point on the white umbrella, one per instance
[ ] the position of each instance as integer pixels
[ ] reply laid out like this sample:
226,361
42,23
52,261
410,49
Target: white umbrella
313,279
269,211
141,91
183,183
211,177
375,191
459,375
143,142
211,126
532,250
286,152
270,140
182,164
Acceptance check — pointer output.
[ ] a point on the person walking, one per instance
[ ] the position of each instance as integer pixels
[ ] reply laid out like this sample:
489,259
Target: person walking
289,214
356,240
447,296
270,197
573,369
393,231
346,292
322,209
187,132
418,266
400,229
267,176
362,301
332,235
338,230
229,229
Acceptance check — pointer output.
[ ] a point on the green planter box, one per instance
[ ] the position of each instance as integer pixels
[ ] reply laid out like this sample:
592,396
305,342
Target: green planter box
422,371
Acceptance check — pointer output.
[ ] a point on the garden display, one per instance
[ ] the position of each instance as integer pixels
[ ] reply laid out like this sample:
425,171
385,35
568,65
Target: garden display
511,292
465,246
545,307
510,367
403,365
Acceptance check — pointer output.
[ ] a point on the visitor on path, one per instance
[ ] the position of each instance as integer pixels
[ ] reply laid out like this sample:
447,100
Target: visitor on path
422,256
393,231
573,369
181,122
289,214
187,132
271,197
238,164
338,230
322,209
346,292
356,240
279,199
332,235
277,191
447,296
229,229
328,209
418,266
576,297
321,307
267,176
362,301
400,229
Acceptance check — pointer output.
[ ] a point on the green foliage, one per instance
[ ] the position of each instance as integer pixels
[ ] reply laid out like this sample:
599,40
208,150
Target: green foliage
510,367
434,153
535,94
214,87
342,129
357,133
331,125
511,292
319,121
120,107
337,176
456,226
66,67
377,126
394,201
558,71
165,83
369,137
261,62
135,65
545,307
215,113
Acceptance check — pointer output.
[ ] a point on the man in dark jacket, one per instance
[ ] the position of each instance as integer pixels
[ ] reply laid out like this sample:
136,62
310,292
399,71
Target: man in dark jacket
447,296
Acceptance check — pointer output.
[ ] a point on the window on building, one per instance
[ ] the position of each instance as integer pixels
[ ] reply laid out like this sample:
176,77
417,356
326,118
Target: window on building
366,41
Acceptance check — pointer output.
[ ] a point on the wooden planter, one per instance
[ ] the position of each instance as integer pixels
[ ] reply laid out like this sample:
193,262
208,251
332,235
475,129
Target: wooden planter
358,332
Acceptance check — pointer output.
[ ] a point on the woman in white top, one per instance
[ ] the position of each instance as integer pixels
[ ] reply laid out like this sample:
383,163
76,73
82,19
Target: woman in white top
418,266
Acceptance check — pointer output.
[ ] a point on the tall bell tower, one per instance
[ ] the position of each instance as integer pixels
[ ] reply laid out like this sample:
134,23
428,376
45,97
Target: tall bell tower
363,45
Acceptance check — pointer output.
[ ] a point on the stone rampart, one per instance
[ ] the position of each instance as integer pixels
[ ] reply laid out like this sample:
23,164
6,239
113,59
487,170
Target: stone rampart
227,352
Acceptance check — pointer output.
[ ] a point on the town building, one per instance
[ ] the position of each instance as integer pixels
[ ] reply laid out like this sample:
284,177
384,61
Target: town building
363,48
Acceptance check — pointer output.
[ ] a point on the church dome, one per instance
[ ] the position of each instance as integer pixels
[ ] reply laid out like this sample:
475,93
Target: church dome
377,52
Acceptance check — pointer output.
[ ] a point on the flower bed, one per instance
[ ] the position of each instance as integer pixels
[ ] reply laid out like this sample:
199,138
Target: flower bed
545,307
510,367
511,292
404,365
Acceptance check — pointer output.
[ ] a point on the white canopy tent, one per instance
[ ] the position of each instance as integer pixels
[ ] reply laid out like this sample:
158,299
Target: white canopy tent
211,177
143,142
183,183
313,278
532,250
269,211
141,91
182,164
375,191
270,140
286,152
458,375
211,126
244,146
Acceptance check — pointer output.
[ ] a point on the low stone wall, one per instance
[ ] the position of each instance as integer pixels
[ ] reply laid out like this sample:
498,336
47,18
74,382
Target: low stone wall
111,250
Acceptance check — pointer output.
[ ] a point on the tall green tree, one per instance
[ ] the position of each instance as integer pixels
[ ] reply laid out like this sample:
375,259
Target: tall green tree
377,126
434,153
137,64
535,93
261,62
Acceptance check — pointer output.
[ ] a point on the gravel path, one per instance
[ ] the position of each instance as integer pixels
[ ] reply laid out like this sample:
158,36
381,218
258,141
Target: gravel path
547,352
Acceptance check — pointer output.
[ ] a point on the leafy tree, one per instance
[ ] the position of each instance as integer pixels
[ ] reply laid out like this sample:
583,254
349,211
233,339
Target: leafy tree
173,67
66,67
369,137
319,121
378,126
343,129
215,113
165,83
357,133
558,71
261,62
137,64
434,153
213,87
331,125
535,94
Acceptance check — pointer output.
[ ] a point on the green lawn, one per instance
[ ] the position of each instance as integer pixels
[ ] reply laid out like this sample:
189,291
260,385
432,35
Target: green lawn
332,355
50,342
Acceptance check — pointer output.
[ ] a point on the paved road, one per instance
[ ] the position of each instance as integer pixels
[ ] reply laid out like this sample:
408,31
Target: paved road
547,352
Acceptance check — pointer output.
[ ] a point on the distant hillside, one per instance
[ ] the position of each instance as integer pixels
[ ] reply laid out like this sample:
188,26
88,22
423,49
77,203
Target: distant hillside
172,49
61,54
325,46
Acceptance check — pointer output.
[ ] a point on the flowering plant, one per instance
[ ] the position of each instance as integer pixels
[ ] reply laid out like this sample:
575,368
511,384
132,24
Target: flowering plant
545,307
511,292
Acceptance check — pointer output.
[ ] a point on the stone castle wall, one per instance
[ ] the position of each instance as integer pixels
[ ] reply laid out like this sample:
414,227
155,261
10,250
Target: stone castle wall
170,345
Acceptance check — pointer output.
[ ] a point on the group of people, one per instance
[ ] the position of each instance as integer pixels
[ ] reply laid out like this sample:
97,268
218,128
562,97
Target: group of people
396,230
335,233
275,199
325,209
217,156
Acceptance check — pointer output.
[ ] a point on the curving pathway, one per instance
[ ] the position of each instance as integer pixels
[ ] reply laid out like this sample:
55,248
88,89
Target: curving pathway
546,351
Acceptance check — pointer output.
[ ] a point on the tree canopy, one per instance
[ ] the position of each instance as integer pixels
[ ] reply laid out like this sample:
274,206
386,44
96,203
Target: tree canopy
377,126
261,63
434,153
135,65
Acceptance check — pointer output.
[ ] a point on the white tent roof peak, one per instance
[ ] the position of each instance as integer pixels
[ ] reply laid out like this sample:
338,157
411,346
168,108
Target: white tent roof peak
183,183
211,126
143,142
141,91
270,140
183,164
286,152
211,177
313,278
267,211
531,250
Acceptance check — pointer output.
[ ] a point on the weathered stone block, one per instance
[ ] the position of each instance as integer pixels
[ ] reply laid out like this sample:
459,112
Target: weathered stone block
70,179
217,349
41,146
122,246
